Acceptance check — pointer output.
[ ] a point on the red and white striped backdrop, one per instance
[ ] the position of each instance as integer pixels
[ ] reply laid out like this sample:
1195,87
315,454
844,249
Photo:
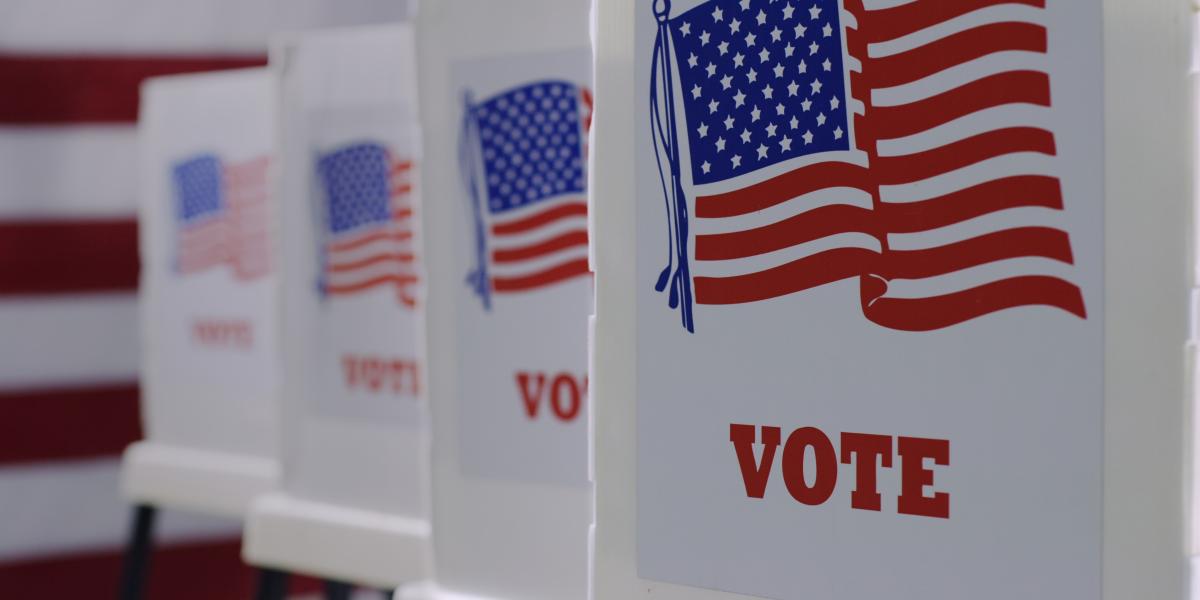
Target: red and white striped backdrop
69,71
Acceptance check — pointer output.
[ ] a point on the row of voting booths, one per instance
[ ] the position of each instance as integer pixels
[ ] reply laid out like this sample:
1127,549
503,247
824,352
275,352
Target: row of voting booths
707,299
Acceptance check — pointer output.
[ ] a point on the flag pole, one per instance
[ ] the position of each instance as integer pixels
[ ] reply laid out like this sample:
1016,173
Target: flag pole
681,280
478,278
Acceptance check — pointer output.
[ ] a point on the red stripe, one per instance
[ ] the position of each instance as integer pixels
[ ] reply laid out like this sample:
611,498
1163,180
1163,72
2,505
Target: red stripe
561,211
782,188
1021,242
897,170
891,23
53,257
953,50
403,258
926,314
402,236
560,242
400,281
988,197
69,423
798,275
1015,87
574,268
90,89
797,229
185,571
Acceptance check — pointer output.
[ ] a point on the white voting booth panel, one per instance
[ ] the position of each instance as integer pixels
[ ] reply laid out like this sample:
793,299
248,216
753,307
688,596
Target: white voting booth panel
354,500
506,102
891,299
210,366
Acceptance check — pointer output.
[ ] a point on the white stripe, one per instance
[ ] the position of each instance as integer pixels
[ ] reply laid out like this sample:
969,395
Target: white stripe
175,26
57,341
68,172
990,119
539,264
1023,216
369,272
976,276
382,246
1021,163
538,234
528,210
1001,13
851,157
870,5
959,75
779,212
58,507
762,262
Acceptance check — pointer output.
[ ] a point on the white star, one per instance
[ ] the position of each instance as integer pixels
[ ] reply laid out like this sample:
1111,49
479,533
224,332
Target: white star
794,123
816,86
704,38
764,56
755,114
803,67
719,14
712,106
685,29
745,4
793,87
752,75
800,30
789,50
808,137
735,26
771,130
785,145
723,48
821,119
812,48
834,103
827,30
778,69
726,81
807,104
827,65
787,11
706,167
729,122
702,130
837,133
738,59
693,60
745,136
750,37
720,144
711,69
768,92
814,12
762,152
776,35
739,99
761,17
696,91
737,161
780,109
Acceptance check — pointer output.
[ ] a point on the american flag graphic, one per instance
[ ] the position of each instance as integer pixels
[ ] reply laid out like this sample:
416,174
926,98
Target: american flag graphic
523,161
222,216
368,217
905,146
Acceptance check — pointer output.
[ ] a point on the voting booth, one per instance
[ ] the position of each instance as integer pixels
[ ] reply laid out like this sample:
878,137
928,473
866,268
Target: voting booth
506,105
891,299
353,506
210,353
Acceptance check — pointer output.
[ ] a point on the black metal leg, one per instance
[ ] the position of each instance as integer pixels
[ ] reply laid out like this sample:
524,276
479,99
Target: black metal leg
337,590
137,553
272,584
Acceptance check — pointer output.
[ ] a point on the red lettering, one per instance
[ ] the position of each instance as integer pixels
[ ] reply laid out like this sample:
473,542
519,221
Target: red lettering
825,478
868,447
754,476
374,374
532,399
568,413
915,477
213,332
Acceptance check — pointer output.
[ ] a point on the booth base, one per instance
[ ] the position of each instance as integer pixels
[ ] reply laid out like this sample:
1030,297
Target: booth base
209,482
430,591
334,542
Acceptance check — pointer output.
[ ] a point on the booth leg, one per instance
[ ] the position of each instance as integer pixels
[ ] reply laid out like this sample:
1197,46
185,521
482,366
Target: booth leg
272,584
337,590
136,565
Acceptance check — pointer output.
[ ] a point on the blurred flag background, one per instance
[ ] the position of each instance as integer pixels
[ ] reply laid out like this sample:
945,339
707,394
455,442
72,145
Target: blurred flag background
69,76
